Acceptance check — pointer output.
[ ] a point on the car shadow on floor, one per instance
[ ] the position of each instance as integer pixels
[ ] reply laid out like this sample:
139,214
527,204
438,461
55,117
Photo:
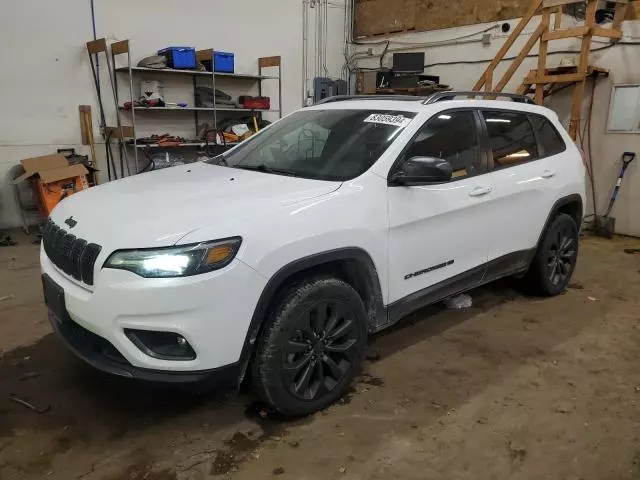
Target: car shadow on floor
68,393
434,319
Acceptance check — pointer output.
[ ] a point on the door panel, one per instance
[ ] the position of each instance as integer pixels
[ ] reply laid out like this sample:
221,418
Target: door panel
438,231
524,195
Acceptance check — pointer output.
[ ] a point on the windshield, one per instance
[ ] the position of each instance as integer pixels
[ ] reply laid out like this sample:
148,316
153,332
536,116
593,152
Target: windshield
321,144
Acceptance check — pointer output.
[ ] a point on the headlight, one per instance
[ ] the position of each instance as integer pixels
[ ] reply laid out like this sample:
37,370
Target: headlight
179,261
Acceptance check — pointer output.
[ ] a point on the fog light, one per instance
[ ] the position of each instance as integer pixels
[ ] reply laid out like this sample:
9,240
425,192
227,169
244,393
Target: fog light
162,345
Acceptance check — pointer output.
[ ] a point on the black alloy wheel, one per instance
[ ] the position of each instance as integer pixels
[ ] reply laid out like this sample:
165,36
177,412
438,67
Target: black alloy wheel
311,346
321,350
561,256
555,259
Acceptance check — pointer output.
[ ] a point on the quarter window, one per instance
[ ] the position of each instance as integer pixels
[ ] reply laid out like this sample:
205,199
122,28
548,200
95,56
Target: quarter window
512,139
451,136
549,140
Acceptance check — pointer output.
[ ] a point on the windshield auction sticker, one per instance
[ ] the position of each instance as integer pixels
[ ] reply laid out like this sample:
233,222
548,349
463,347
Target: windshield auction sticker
395,120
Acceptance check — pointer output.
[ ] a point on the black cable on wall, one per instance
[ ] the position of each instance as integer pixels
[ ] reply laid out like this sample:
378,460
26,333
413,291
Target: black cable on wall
532,55
507,59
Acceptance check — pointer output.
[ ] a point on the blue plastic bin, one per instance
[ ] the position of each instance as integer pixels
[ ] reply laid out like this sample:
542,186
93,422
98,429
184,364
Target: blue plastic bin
179,57
224,62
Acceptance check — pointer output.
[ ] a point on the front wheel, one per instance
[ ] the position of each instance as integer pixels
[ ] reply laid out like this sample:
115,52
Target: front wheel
555,260
312,346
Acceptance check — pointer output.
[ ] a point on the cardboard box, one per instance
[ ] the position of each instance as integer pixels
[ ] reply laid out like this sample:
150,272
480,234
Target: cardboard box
53,179
366,83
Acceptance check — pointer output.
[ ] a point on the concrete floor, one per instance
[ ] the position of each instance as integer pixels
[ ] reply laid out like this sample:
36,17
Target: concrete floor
514,387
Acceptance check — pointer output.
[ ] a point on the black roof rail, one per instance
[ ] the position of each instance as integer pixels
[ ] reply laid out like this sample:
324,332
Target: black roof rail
342,98
436,97
442,96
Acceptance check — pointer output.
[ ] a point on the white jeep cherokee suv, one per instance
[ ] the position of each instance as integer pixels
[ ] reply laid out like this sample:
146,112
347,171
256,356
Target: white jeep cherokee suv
281,255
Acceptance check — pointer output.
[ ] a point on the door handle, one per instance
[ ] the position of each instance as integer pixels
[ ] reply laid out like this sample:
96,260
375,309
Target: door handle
548,174
479,191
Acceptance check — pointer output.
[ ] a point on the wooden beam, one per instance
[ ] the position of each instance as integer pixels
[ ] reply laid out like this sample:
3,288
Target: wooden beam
85,111
531,76
583,67
531,79
590,20
535,5
123,131
86,129
557,18
606,32
542,55
568,33
563,78
264,62
574,121
556,3
120,47
97,46
521,56
619,15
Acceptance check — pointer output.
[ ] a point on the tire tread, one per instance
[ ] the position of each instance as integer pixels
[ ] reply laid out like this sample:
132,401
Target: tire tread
263,374
535,280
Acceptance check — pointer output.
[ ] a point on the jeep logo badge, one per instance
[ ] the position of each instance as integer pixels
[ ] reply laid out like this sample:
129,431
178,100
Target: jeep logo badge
71,222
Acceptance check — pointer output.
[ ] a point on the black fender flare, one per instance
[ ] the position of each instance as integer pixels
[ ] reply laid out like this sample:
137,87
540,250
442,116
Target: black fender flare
371,281
574,197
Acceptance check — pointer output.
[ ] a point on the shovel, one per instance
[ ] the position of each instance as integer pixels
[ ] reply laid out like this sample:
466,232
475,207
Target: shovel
605,225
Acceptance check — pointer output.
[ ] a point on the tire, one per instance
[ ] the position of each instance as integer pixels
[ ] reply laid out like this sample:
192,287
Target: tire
312,346
554,262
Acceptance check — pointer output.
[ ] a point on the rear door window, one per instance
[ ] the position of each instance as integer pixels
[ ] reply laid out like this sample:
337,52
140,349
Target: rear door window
511,137
549,139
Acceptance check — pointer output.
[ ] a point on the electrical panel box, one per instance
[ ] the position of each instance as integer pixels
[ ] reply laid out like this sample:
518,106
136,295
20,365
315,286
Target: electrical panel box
324,87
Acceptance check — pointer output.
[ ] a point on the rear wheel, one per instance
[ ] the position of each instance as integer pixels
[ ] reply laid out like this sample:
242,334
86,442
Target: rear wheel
555,260
312,346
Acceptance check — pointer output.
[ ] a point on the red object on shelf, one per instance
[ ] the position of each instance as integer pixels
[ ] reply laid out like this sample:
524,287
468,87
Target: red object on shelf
258,103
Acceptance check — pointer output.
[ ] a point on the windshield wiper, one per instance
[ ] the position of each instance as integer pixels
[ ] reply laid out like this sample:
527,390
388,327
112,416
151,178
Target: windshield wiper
263,168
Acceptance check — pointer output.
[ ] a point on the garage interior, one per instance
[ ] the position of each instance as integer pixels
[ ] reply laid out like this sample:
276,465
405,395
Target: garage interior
514,386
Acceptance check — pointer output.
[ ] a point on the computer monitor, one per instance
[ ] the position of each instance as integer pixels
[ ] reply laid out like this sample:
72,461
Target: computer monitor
408,62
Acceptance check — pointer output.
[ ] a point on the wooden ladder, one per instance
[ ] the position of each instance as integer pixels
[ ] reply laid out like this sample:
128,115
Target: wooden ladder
540,81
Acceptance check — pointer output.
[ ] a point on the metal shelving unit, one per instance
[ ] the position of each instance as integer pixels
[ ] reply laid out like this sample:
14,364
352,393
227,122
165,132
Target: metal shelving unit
177,71
122,49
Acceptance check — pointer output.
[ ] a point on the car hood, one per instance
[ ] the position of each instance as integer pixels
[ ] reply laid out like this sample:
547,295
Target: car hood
161,207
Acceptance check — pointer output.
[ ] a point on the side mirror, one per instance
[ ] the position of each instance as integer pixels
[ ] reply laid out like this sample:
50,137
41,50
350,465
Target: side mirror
422,171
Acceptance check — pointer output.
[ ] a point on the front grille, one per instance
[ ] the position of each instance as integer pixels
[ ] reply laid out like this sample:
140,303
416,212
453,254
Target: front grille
74,256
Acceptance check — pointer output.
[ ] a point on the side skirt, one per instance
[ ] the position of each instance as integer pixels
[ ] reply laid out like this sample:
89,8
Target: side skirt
510,264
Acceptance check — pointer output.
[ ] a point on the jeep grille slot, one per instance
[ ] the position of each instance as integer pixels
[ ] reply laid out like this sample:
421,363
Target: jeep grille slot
74,256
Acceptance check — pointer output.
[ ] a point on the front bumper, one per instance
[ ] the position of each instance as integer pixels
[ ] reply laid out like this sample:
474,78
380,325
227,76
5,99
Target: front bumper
212,311
100,354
